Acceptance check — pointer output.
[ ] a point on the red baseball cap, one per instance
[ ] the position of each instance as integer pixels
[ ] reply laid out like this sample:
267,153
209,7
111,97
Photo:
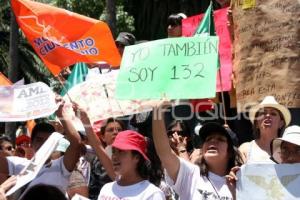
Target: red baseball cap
22,138
131,140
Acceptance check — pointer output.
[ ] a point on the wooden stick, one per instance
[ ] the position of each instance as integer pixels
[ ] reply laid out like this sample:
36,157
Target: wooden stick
222,96
64,87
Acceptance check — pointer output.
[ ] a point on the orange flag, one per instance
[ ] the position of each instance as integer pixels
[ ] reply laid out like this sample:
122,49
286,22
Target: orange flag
30,125
62,38
4,81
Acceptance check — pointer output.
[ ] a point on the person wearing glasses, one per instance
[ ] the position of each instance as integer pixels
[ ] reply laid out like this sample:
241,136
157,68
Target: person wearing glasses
6,146
286,149
54,172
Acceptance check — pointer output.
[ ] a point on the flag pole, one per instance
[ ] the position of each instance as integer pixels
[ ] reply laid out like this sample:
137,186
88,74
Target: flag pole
222,97
207,26
64,87
107,95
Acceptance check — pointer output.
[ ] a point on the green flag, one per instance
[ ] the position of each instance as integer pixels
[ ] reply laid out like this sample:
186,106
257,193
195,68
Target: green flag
207,24
77,76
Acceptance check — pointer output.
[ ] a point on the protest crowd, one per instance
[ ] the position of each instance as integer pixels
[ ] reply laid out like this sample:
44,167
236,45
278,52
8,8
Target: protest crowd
119,130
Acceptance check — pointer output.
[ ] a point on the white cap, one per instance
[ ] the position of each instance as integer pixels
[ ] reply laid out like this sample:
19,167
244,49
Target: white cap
182,15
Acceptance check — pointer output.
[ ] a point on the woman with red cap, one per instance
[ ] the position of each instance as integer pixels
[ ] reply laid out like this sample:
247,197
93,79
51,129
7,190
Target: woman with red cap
99,177
130,165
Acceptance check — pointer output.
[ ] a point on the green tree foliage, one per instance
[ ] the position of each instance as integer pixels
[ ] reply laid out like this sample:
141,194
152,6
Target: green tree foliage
96,10
125,22
90,8
4,35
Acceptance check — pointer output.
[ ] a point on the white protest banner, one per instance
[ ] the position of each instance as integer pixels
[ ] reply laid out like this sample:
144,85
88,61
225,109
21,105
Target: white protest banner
268,181
175,68
25,102
32,169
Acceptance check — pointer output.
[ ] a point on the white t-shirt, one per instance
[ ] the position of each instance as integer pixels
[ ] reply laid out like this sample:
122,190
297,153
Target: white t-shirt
143,190
54,173
257,155
191,185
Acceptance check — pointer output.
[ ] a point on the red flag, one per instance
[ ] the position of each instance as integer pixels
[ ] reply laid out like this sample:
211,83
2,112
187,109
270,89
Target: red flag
62,38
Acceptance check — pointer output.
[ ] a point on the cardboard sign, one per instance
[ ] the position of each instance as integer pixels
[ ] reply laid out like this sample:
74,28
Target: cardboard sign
25,102
267,52
176,68
268,181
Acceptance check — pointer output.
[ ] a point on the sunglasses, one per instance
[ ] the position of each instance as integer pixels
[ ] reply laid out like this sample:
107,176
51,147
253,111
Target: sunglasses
9,148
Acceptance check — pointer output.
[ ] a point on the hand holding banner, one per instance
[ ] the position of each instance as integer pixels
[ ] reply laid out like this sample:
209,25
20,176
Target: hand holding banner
176,68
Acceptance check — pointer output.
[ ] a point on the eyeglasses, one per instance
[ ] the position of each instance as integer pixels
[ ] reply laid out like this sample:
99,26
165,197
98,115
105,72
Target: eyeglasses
8,148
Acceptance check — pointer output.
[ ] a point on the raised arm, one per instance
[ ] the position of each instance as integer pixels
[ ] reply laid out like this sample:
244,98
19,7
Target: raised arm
5,186
72,154
95,142
169,160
